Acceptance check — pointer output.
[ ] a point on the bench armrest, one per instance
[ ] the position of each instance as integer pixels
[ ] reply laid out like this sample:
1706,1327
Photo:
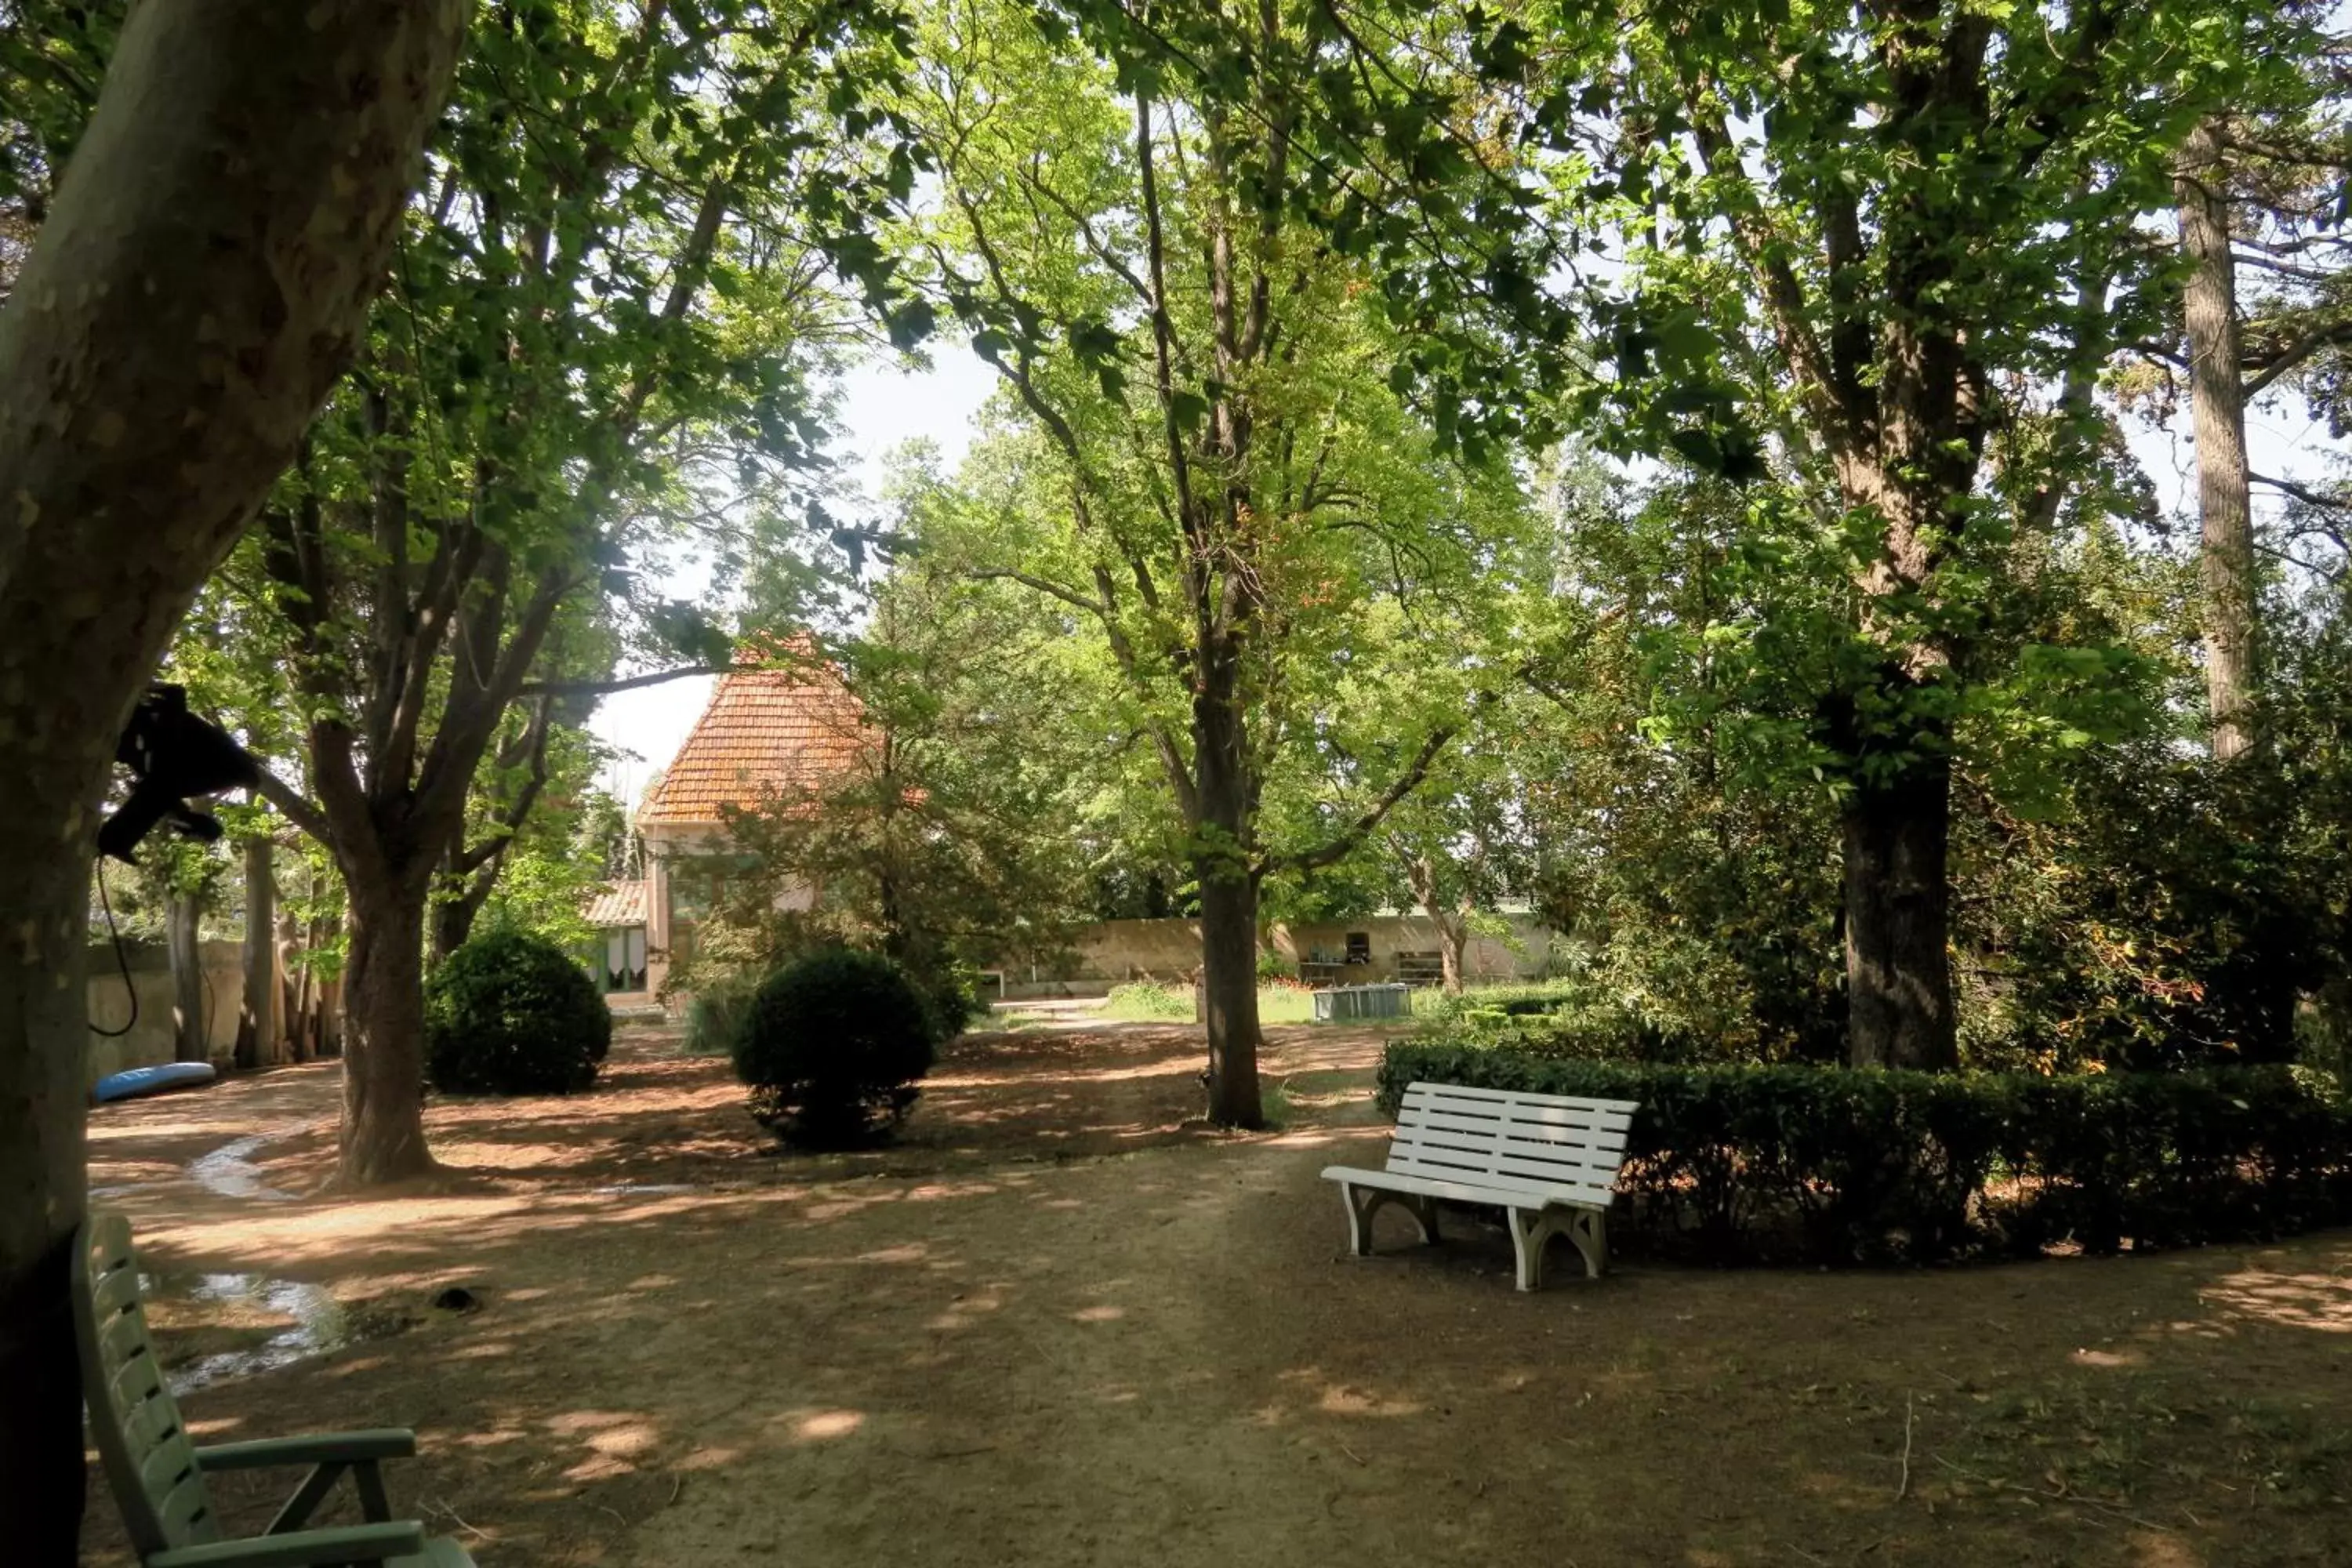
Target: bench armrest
316,1448
301,1549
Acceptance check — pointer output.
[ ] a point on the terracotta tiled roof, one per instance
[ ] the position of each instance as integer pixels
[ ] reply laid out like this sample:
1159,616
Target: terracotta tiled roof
781,730
616,904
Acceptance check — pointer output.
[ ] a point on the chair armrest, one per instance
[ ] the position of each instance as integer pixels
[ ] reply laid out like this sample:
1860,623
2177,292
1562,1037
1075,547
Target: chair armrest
314,1449
301,1549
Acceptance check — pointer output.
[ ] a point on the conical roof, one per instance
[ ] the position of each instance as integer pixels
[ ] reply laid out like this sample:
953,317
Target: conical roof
770,729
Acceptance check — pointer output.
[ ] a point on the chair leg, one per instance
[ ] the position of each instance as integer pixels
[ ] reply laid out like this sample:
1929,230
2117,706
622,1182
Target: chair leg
368,1475
1423,1209
308,1497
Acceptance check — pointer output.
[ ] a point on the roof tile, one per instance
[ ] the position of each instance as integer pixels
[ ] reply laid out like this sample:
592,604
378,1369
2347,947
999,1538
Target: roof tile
779,730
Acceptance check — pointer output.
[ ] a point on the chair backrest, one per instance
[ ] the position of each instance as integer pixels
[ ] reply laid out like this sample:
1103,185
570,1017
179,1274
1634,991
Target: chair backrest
1450,1133
150,1461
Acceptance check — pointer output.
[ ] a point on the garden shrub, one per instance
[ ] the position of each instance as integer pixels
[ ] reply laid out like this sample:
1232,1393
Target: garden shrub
716,1016
950,994
511,1014
1869,1165
832,1045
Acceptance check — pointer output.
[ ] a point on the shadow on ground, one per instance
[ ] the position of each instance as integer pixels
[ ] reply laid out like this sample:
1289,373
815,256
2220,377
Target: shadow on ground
1062,1325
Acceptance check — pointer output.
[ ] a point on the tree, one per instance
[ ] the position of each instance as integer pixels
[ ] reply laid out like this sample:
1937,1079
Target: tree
1202,458
197,283
942,841
2257,190
609,306
524,821
1932,220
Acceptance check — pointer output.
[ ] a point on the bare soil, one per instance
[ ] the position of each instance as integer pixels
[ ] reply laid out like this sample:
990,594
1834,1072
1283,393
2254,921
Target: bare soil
1061,1322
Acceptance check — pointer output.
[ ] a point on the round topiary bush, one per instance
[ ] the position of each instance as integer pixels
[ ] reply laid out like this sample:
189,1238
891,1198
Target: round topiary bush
510,1014
833,1047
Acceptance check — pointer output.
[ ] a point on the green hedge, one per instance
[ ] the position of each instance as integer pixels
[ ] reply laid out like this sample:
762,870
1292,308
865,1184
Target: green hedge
1847,1165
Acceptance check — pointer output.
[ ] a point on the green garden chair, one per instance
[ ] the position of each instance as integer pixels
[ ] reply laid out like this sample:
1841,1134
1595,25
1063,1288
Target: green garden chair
158,1474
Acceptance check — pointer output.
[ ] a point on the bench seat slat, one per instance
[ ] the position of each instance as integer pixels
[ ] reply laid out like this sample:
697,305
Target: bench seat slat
1462,1189
1568,1165
1596,1192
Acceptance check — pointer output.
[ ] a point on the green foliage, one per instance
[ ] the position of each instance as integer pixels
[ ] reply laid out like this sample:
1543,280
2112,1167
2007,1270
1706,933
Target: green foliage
935,835
714,1018
510,1014
950,993
833,1047
1149,1001
1867,1165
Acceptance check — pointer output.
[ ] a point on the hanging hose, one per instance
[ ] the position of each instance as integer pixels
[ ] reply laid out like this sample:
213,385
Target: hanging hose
121,959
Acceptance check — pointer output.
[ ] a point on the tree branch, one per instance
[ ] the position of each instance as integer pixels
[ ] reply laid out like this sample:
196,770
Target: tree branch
619,683
1344,843
2303,493
2285,358
297,809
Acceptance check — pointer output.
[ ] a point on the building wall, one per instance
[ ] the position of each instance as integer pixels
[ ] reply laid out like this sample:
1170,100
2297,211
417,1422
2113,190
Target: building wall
669,928
151,1037
1112,951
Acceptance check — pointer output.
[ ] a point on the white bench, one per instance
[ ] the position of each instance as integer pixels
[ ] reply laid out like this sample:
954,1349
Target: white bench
1548,1160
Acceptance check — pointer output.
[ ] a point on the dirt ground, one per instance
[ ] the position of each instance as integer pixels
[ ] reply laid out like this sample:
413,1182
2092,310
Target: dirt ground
1058,1323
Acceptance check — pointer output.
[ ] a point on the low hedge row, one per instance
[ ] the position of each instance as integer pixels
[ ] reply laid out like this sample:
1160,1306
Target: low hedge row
1860,1167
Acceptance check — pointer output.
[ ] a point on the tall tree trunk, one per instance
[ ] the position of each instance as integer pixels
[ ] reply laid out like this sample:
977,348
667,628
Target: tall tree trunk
2218,407
192,296
189,1043
383,1024
1421,872
43,1187
286,941
257,1022
1228,899
1449,954
1897,921
1229,993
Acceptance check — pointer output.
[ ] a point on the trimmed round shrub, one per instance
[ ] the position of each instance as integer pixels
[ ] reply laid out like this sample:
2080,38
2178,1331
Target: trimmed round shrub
832,1045
511,1014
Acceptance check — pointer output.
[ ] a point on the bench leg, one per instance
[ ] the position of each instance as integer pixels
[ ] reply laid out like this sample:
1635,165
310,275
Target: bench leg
1363,1203
1589,1230
1530,1229
1586,1229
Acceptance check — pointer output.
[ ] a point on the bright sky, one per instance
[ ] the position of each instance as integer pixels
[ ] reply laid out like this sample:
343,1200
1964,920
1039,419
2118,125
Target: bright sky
883,407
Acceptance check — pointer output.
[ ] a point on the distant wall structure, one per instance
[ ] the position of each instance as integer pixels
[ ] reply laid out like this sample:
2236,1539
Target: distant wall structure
150,1038
1391,947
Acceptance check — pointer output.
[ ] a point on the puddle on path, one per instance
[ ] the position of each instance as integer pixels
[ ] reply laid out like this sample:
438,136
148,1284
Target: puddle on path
320,1323
229,1170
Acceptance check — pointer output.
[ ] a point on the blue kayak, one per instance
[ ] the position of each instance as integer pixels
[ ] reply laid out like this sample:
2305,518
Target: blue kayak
137,1082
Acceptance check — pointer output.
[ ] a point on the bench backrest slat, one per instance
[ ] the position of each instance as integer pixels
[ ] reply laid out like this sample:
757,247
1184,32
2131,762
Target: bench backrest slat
1448,1132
